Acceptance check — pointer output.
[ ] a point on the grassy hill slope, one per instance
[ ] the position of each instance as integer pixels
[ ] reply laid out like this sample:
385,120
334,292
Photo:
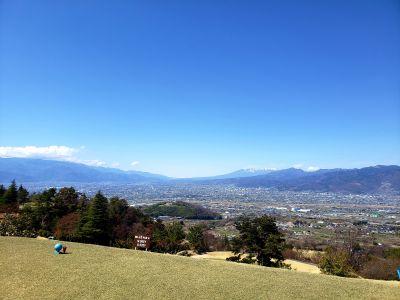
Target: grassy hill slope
30,270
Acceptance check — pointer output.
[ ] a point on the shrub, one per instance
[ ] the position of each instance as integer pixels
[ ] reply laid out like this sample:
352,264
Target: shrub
216,243
250,259
316,257
13,225
185,253
67,226
381,268
292,254
235,258
8,208
44,233
307,256
336,262
392,253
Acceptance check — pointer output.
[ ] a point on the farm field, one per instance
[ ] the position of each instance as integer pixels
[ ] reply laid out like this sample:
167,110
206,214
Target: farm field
30,270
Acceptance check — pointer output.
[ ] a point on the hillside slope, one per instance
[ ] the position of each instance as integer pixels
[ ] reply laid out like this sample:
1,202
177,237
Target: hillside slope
180,209
29,270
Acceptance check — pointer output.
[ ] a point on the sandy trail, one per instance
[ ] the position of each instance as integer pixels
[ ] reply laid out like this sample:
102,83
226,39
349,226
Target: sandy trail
294,264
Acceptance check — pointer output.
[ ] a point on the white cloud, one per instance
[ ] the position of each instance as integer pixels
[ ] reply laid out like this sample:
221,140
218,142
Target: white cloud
135,163
94,163
298,166
312,169
306,168
51,152
115,165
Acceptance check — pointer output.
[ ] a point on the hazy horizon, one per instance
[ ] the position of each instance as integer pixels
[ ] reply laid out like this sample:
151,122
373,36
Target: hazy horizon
248,169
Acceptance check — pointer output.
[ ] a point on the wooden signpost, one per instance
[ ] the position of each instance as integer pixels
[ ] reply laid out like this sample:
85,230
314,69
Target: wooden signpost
142,242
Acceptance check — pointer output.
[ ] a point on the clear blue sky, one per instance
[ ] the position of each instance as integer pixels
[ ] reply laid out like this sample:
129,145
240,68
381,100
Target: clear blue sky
193,88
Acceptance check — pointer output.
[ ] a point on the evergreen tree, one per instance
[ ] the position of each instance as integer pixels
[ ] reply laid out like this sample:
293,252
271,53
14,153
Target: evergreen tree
117,210
96,228
196,238
167,238
66,201
261,238
174,237
159,237
2,190
83,203
22,195
11,194
47,196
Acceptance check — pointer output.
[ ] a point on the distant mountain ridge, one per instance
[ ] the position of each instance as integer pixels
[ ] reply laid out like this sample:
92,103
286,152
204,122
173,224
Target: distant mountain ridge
254,173
236,174
378,179
41,170
246,173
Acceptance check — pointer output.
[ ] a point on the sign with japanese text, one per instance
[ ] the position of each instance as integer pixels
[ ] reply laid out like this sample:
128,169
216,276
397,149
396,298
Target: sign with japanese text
142,241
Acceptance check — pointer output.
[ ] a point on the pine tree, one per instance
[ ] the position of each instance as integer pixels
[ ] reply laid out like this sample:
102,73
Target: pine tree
196,238
66,201
2,190
175,236
96,228
22,195
261,238
10,196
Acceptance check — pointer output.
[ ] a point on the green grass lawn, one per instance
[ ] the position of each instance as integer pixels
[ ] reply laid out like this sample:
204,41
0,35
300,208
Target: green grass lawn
30,270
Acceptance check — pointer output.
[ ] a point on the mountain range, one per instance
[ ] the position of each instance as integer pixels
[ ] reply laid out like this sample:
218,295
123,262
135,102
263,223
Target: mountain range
236,174
376,179
53,171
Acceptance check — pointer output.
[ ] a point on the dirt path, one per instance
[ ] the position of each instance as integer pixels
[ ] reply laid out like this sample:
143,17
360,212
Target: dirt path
294,264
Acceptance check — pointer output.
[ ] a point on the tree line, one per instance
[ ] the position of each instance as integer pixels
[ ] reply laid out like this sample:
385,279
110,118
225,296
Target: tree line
71,216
